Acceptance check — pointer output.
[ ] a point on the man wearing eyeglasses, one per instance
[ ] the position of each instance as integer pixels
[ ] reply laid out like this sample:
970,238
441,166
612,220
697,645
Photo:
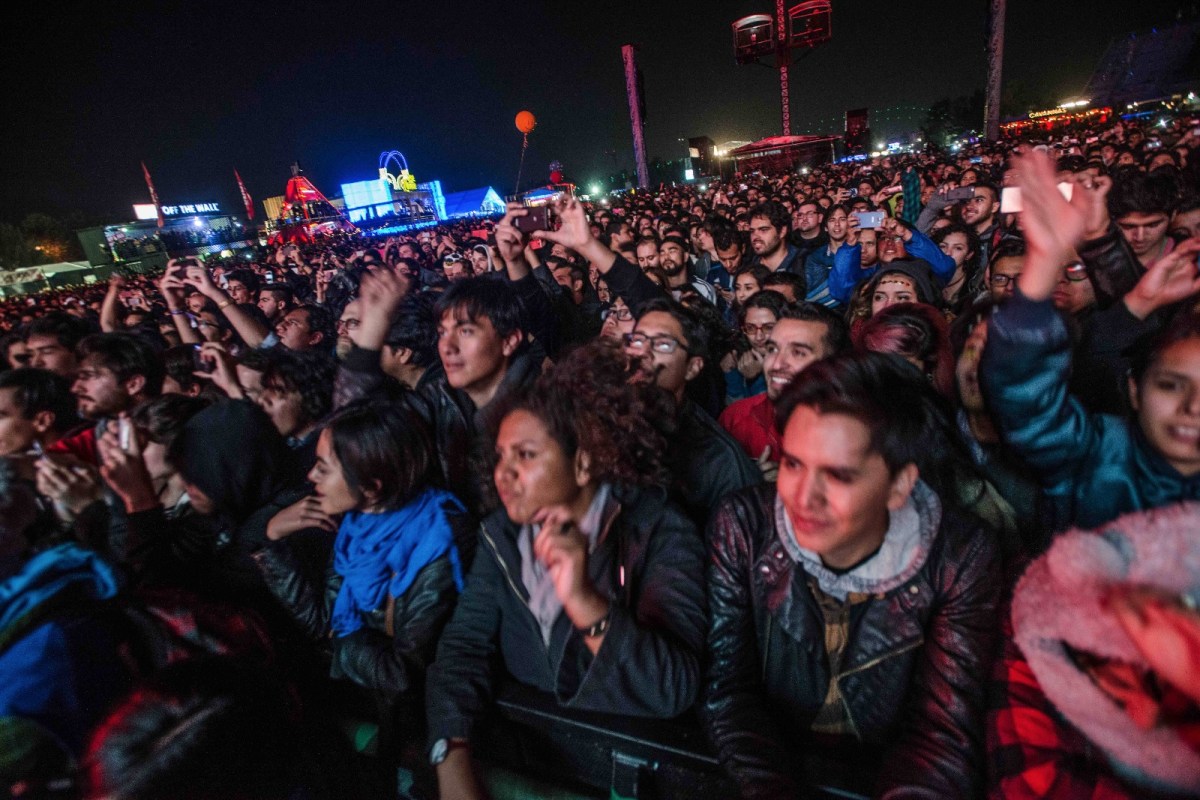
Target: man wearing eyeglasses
670,344
1005,268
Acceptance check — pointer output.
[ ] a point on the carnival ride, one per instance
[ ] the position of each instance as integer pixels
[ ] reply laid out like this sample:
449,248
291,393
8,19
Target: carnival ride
306,212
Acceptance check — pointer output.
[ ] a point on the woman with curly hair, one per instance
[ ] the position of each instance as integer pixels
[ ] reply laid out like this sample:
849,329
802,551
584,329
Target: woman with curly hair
587,584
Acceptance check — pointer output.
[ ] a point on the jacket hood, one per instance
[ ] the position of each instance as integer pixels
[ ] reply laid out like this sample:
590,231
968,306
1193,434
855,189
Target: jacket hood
1059,603
232,453
920,272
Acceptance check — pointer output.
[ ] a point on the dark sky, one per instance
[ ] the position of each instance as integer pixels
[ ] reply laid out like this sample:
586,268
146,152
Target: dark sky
199,89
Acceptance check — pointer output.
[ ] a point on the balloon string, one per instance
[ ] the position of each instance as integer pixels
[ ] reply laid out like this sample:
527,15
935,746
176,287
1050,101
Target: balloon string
521,168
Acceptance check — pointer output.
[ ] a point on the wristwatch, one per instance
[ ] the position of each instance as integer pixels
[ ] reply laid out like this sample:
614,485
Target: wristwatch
442,748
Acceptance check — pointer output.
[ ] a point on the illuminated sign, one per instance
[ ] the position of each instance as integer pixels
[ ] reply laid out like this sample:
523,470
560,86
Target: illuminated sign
147,210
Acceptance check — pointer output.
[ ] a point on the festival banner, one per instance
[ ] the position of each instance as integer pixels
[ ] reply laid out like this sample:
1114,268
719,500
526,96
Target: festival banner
153,195
245,196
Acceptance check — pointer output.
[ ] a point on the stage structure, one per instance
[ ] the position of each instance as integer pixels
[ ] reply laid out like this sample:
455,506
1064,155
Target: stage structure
794,32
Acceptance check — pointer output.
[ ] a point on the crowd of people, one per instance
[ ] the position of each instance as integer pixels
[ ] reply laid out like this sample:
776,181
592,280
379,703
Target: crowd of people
888,460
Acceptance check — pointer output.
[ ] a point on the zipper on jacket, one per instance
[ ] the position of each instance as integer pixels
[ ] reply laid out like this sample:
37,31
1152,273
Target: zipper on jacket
503,565
882,658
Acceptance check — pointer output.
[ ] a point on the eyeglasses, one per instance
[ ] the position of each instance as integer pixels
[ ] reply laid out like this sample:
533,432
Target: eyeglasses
1000,281
347,325
622,314
451,258
659,344
752,330
1075,272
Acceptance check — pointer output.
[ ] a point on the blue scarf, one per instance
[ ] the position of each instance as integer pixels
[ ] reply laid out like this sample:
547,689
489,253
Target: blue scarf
381,554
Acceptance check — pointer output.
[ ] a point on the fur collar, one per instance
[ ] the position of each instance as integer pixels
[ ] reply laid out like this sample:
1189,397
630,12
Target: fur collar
1059,601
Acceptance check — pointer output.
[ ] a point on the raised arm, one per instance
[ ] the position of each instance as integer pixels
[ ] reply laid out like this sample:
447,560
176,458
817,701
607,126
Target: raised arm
248,328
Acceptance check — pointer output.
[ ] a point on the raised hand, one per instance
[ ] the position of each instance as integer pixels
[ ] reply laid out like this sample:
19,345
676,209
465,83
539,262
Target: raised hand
1053,226
124,470
70,483
575,232
379,294
1095,191
224,373
1169,280
510,241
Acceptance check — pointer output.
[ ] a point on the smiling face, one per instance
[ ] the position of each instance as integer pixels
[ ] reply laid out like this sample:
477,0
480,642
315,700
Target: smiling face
837,492
532,469
793,345
671,371
1167,403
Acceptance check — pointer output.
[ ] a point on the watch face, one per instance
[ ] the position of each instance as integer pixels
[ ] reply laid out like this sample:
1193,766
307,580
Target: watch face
440,748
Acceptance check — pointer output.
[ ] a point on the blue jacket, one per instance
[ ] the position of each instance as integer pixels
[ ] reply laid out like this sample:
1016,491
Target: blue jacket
847,270
1092,467
816,273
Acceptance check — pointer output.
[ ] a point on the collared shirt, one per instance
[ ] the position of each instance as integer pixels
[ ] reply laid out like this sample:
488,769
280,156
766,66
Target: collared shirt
543,600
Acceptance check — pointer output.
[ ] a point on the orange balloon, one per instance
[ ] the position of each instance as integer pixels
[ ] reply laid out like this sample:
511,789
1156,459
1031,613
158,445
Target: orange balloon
526,122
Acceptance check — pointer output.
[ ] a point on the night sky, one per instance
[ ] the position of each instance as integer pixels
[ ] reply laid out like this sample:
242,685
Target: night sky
199,89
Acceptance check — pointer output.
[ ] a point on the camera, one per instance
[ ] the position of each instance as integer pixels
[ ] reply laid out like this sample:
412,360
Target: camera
538,219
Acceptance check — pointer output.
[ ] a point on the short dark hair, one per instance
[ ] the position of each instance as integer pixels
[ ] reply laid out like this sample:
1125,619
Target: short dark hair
164,738
68,330
784,278
281,292
694,330
179,365
909,423
1136,192
483,297
414,328
774,213
125,355
320,320
385,443
162,418
37,390
837,332
309,372
246,278
1009,247
768,300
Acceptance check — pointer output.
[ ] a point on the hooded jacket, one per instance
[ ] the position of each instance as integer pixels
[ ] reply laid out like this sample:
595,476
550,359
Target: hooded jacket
232,453
1052,731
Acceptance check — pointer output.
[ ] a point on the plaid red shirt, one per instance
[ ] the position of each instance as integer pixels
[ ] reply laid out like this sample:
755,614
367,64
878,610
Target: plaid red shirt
1032,751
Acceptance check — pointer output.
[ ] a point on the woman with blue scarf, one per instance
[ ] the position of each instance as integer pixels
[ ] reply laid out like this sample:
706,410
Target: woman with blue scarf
395,572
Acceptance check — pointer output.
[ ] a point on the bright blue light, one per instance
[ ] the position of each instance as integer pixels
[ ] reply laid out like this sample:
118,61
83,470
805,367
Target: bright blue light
366,193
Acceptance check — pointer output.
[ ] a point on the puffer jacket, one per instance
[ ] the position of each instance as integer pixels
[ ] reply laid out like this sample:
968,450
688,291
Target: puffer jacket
649,662
1092,467
912,675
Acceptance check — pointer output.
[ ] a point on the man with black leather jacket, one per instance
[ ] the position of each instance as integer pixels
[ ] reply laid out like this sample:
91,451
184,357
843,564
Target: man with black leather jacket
853,609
